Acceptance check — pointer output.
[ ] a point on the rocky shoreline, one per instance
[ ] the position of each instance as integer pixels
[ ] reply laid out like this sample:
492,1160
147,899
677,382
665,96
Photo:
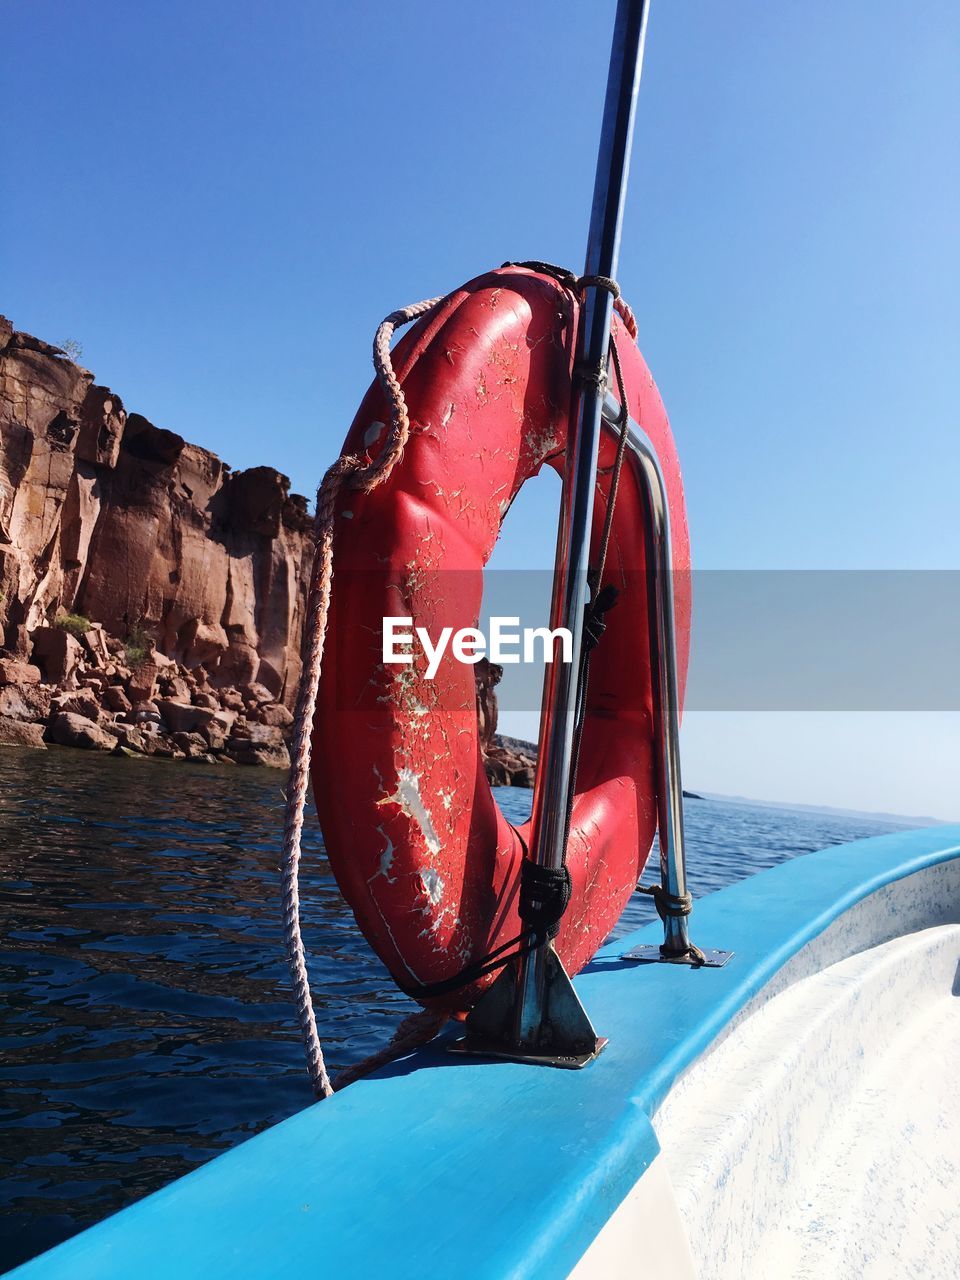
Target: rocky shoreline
88,691
84,688
181,560
151,598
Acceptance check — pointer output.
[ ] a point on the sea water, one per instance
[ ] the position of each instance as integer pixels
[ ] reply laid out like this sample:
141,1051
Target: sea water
145,1020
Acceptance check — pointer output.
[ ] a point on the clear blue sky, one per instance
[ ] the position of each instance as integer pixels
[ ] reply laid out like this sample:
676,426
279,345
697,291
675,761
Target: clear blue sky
220,200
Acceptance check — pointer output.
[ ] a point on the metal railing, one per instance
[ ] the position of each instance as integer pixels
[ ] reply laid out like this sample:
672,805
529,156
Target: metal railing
533,1013
548,834
663,670
539,1018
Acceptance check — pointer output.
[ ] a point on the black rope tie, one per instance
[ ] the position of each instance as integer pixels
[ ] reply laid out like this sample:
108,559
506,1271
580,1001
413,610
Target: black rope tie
594,624
562,274
568,278
544,897
496,959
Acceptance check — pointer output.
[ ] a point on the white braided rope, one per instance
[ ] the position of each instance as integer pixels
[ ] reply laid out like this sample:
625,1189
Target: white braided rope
364,476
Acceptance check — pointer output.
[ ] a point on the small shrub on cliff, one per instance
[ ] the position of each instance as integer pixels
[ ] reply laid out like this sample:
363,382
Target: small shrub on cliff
137,646
75,623
72,349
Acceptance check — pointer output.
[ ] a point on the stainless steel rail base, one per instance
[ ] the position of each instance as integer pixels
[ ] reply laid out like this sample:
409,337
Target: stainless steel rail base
566,1037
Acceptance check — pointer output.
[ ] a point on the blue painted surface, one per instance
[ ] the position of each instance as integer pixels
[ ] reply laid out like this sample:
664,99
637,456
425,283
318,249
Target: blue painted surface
489,1169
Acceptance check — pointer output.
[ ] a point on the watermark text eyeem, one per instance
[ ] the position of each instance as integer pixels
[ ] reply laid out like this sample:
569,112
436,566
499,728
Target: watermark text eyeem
507,643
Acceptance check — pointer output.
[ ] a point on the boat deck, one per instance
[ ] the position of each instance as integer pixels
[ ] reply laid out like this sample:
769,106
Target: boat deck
823,1137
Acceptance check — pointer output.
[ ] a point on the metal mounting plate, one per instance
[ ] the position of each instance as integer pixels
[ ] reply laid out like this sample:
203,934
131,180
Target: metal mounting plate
481,1047
713,959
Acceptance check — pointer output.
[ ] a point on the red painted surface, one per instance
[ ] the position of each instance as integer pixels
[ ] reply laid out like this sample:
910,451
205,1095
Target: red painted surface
418,846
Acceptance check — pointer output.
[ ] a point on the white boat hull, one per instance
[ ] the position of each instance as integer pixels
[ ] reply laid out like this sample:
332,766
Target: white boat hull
820,1136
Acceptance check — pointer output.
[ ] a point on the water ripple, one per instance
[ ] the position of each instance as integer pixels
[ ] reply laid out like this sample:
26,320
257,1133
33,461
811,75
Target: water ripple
147,1023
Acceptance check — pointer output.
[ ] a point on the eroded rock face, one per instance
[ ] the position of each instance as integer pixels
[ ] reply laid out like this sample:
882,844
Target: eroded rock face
508,762
106,515
194,578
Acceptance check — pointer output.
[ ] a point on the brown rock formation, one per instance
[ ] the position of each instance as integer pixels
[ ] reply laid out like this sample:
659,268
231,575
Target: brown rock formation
20,733
104,514
14,672
186,582
509,763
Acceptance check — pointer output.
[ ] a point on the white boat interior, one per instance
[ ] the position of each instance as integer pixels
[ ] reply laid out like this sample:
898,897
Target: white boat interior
820,1136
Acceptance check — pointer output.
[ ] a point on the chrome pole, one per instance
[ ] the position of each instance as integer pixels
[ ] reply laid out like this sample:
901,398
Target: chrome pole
663,671
551,789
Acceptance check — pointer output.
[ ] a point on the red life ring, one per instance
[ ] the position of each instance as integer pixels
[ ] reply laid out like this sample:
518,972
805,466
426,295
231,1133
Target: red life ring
420,850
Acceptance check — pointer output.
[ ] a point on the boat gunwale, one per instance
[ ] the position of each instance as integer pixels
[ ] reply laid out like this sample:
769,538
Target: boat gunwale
530,1162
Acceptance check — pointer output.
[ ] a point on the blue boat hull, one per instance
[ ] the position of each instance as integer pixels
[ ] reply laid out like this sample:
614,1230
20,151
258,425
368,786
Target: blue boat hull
443,1165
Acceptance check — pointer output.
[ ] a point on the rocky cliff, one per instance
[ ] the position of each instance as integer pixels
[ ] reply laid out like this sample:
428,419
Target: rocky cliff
151,599
509,762
106,515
